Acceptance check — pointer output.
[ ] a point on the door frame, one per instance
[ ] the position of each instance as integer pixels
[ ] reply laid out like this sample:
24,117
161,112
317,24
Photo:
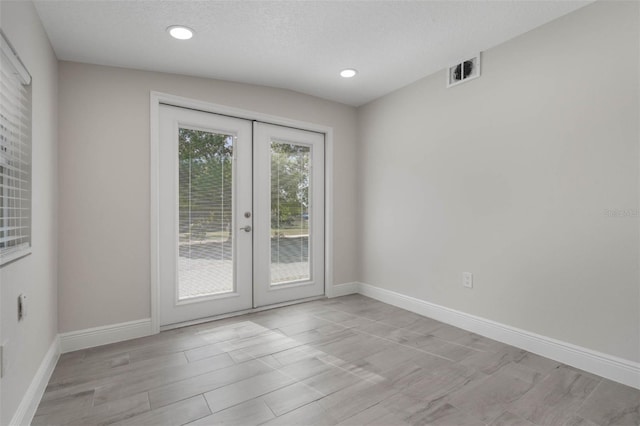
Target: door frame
157,98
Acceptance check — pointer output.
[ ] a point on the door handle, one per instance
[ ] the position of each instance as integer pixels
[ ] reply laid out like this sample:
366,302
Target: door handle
246,228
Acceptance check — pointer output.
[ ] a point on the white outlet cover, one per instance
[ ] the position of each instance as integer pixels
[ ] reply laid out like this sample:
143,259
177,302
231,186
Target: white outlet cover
467,279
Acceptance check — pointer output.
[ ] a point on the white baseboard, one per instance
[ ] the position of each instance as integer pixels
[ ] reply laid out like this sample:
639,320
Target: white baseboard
608,366
97,336
344,289
29,404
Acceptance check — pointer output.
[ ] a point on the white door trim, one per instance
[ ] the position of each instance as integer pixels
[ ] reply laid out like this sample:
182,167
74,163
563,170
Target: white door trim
156,98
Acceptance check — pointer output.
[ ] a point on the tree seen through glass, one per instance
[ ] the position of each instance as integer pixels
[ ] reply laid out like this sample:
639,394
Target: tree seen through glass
205,213
290,212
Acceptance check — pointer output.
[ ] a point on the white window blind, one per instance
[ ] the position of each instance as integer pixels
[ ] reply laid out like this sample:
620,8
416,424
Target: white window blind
15,155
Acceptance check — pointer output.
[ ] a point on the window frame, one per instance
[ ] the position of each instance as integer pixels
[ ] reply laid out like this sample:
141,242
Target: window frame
16,197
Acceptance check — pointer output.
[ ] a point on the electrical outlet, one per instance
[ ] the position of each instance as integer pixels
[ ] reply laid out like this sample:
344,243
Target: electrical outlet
467,279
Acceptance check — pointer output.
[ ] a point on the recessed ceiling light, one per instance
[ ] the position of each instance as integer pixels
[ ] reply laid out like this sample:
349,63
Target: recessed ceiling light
180,32
348,73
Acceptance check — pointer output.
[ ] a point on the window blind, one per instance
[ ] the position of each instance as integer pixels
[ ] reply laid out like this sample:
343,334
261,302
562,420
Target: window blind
15,155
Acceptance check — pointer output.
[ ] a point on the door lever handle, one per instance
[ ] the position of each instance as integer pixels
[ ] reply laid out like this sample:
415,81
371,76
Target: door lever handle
246,228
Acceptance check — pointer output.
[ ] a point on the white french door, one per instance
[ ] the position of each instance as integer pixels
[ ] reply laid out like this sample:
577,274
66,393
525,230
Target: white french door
205,187
241,214
288,243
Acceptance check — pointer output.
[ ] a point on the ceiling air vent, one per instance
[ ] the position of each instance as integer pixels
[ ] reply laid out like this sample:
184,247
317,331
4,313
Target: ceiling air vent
464,71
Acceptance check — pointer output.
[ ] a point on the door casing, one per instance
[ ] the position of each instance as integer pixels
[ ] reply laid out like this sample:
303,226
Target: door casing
157,98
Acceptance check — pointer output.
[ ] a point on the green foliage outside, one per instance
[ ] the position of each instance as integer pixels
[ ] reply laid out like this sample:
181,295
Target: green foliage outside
289,185
205,185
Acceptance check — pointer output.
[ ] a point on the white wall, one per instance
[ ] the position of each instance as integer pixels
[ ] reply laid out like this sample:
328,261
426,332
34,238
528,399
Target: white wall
104,182
508,177
36,274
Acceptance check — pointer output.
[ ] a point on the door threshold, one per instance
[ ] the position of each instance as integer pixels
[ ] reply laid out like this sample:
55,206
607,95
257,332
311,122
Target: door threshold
238,313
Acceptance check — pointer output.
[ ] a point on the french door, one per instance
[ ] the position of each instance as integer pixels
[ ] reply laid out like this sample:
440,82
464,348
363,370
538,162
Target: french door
241,214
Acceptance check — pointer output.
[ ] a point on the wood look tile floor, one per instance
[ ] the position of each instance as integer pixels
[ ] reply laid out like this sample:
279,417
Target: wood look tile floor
345,361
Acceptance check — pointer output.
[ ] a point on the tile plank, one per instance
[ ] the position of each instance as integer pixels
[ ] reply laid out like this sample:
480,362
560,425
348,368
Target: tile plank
510,419
252,412
290,397
351,400
555,399
442,415
181,412
135,382
244,390
612,404
177,390
488,398
332,380
88,380
105,414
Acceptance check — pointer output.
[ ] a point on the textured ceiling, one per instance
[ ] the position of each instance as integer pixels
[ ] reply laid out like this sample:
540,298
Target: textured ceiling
297,45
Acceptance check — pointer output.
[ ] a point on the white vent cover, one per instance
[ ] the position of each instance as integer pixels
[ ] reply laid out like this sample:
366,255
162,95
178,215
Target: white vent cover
464,71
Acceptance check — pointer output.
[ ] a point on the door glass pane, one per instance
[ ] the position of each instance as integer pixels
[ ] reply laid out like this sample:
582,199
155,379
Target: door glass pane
205,263
290,212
